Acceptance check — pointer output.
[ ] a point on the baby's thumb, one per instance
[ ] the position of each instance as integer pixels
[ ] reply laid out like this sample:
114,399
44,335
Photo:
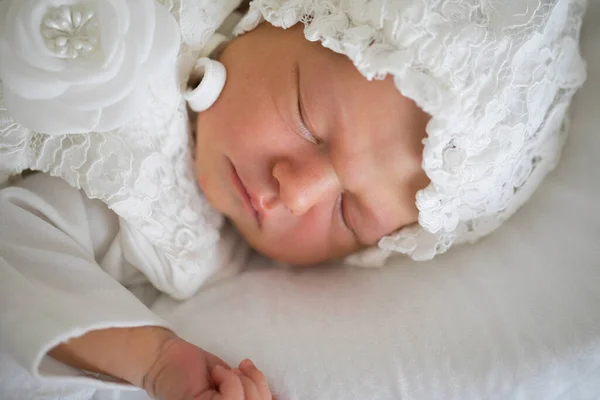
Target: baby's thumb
212,361
228,385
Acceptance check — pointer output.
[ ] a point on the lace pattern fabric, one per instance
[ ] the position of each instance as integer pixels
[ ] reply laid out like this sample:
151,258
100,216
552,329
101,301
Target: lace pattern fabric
497,78
143,170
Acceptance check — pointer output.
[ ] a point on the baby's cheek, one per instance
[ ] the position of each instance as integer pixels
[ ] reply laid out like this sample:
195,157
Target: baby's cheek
210,188
297,248
200,173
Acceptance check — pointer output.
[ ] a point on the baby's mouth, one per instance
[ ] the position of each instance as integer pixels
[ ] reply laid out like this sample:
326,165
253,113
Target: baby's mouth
245,196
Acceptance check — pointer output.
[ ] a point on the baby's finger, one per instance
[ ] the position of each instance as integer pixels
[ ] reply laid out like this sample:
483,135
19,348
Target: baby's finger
213,361
228,383
250,389
248,368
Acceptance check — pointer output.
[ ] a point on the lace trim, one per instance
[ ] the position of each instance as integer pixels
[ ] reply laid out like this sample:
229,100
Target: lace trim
497,78
143,170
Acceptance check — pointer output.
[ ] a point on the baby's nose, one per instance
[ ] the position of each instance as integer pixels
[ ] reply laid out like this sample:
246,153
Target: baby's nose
304,184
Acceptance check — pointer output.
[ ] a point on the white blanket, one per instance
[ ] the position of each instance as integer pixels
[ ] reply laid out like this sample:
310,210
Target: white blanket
516,316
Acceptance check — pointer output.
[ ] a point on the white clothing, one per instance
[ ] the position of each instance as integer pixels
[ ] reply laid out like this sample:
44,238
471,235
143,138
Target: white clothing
68,265
143,168
66,268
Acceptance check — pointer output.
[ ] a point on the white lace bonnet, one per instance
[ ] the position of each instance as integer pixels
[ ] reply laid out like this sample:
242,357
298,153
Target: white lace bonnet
496,76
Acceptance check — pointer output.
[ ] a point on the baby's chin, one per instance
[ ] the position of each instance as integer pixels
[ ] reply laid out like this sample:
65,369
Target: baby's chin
284,252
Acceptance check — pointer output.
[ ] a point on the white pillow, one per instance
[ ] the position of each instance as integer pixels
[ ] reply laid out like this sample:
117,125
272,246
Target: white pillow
515,316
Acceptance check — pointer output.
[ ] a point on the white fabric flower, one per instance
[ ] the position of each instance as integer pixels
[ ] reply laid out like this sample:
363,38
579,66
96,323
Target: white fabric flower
76,66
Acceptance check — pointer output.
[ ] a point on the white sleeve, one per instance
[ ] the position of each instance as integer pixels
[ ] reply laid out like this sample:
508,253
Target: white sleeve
51,286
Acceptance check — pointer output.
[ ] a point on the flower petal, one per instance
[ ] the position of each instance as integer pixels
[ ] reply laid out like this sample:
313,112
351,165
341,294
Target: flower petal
167,41
97,96
95,74
118,114
142,26
49,117
29,82
113,19
26,39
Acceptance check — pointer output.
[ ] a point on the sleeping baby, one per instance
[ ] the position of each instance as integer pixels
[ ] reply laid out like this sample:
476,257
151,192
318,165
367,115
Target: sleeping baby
321,131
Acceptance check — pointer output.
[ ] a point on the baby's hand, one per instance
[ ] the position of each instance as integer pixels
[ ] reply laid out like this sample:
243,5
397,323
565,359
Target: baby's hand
183,371
243,383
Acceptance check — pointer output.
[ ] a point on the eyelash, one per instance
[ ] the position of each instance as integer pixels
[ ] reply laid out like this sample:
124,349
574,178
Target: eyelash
303,129
306,133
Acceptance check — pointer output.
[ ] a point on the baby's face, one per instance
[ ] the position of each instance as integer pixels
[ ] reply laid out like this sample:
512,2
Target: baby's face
305,156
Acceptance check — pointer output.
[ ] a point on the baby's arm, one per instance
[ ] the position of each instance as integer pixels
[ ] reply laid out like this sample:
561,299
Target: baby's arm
123,353
56,303
52,288
166,366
